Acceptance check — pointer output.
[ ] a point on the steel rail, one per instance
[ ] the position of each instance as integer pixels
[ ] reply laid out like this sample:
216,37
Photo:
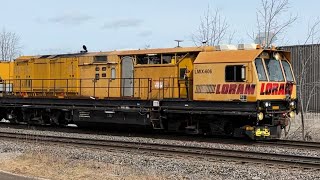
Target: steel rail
292,144
176,150
212,140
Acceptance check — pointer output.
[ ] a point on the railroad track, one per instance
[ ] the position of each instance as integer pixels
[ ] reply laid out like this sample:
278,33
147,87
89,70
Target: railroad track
209,154
221,140
178,137
293,144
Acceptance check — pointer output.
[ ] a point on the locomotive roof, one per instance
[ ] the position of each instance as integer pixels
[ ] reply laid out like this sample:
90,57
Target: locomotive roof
207,54
232,56
23,58
227,56
4,61
52,56
162,50
123,52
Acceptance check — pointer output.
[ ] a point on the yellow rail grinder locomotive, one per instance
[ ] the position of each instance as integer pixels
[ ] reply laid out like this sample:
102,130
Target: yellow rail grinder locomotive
236,91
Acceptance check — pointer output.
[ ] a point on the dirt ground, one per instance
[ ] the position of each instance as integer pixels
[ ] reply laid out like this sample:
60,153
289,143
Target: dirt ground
32,163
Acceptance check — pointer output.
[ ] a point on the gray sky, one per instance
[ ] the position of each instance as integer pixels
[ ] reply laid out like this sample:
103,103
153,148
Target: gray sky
63,26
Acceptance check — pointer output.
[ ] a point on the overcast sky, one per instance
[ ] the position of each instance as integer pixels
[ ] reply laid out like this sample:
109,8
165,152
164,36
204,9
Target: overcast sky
63,26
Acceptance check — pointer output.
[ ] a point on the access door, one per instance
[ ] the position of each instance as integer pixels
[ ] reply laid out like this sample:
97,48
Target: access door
127,76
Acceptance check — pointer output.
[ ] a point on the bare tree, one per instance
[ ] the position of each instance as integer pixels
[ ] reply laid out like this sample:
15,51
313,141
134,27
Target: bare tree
308,83
212,30
272,21
9,45
308,89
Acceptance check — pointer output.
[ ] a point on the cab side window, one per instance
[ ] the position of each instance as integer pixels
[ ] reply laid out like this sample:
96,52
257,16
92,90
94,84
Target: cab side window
233,73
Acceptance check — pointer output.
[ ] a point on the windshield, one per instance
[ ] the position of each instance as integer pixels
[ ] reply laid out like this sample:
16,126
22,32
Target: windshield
287,70
260,70
274,70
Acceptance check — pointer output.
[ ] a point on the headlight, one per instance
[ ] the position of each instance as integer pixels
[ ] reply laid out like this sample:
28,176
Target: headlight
267,104
260,116
292,104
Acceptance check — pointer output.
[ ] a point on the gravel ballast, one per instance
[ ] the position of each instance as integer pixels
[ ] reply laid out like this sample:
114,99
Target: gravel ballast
252,147
160,167
85,163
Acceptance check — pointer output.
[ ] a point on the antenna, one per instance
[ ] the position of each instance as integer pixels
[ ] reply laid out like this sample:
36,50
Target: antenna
178,41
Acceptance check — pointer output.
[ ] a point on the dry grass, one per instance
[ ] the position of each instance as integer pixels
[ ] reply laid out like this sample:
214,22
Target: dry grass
312,128
45,165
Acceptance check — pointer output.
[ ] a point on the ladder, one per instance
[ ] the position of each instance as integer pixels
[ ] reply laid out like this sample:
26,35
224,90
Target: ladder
156,118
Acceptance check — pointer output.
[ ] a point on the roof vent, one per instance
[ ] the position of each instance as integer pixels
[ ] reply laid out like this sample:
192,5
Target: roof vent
226,47
248,46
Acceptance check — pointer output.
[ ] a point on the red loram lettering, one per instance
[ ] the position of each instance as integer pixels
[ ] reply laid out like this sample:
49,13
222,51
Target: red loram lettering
225,89
232,89
268,88
249,89
262,88
281,89
276,89
218,89
235,88
240,89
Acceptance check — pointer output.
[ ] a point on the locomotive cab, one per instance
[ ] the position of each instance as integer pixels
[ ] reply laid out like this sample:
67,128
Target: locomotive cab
250,79
276,100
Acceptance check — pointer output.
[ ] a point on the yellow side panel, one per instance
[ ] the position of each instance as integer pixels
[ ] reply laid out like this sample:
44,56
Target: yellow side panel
6,74
209,83
164,78
64,75
11,73
73,75
6,70
104,86
41,69
86,82
85,60
58,80
24,73
56,70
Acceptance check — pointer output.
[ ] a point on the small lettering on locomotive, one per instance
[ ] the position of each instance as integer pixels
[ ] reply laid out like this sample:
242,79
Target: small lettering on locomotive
203,71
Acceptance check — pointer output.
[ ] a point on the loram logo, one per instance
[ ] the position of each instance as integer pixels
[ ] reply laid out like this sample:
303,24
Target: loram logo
276,89
203,71
226,88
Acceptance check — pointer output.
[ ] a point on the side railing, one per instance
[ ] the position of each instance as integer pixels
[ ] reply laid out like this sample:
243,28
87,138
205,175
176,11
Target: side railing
175,87
86,87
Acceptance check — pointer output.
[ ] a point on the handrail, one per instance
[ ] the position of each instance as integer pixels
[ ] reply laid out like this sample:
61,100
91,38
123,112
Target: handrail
103,87
143,88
